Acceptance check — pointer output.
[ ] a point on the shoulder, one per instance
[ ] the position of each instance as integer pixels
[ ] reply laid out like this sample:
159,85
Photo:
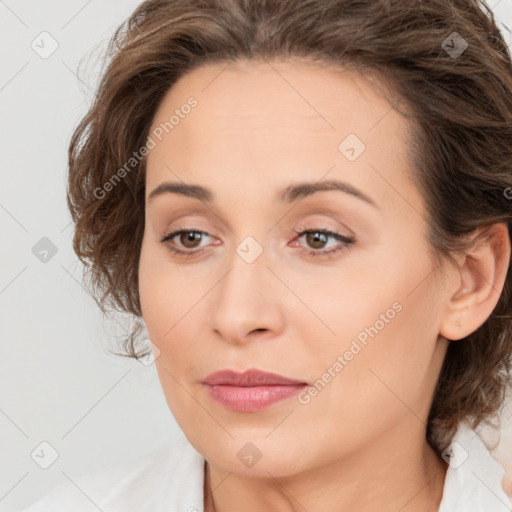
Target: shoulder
171,474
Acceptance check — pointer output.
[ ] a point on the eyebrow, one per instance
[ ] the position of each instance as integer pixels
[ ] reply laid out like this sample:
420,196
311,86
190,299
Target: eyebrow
287,195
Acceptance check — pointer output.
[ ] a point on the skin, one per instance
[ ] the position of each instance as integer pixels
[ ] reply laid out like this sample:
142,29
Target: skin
360,443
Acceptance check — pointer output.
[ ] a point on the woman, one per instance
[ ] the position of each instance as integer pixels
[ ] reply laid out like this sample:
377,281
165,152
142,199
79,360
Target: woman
308,207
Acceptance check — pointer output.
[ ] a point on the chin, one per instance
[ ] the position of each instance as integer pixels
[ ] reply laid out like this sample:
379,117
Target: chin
253,456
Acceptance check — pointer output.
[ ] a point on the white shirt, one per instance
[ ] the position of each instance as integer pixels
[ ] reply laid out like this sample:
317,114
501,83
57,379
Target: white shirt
171,480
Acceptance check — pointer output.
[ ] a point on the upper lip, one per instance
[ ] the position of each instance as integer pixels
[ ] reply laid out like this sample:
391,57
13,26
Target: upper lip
248,378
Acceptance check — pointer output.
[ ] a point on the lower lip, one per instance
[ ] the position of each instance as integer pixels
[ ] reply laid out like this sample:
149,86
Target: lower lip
252,398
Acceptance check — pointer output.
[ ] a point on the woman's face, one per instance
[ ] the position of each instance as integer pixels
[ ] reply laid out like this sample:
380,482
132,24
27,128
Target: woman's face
354,316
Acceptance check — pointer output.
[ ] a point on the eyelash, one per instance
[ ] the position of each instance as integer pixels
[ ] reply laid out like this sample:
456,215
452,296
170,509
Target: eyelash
315,253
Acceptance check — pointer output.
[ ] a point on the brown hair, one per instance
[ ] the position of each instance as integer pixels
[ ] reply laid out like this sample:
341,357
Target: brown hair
461,141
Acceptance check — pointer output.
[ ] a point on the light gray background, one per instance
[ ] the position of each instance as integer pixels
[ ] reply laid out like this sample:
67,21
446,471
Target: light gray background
58,383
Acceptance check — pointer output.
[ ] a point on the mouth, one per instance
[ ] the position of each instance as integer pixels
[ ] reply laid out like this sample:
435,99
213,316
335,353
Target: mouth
250,391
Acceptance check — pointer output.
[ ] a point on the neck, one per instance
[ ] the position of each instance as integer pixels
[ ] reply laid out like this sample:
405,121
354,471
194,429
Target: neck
386,474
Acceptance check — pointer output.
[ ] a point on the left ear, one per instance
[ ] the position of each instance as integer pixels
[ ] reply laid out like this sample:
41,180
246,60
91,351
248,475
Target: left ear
484,268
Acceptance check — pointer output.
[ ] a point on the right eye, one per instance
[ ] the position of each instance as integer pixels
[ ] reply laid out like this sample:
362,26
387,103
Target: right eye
187,238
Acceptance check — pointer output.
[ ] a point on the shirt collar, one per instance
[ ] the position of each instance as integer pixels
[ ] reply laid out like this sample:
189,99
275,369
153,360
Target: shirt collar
474,477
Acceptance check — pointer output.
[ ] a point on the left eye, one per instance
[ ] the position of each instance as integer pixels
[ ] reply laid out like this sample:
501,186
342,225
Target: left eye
314,237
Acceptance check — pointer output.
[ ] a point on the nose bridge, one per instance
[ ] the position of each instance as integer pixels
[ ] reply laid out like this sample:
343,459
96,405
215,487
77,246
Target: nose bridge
245,300
247,267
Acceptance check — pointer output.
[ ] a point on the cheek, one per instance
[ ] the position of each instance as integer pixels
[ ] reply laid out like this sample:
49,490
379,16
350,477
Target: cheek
385,322
172,303
382,359
167,309
166,293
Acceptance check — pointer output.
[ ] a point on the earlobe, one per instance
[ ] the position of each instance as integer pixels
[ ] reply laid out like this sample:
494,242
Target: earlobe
481,279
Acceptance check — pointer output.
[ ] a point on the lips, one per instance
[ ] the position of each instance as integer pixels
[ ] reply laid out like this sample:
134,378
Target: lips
248,378
250,391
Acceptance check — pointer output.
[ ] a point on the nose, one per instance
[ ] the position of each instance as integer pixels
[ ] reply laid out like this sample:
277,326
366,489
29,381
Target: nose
246,303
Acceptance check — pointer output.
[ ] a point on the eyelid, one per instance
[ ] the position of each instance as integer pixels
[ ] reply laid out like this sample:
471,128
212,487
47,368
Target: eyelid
193,215
175,232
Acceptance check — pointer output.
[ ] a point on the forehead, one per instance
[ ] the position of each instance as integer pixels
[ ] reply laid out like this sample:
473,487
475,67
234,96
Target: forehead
323,95
253,118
